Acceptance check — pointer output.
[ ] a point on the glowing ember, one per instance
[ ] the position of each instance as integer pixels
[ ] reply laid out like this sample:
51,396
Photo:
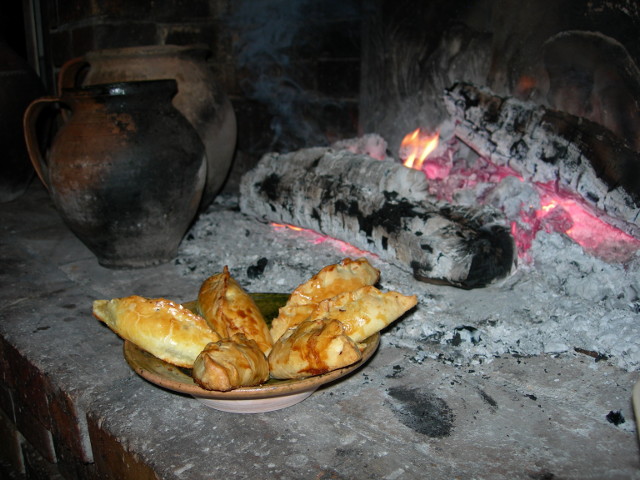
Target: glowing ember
317,238
586,228
563,212
416,147
280,226
560,211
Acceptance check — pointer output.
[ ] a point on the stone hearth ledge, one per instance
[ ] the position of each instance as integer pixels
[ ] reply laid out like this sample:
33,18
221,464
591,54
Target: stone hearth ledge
71,406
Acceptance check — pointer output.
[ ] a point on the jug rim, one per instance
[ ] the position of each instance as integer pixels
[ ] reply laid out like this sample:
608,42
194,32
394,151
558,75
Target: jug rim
134,87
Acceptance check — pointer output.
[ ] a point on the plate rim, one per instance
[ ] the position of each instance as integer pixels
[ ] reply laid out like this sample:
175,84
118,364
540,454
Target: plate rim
133,354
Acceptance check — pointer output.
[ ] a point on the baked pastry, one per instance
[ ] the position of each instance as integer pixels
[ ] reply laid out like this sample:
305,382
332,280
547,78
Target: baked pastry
162,327
231,363
312,348
333,279
346,276
229,310
365,311
290,316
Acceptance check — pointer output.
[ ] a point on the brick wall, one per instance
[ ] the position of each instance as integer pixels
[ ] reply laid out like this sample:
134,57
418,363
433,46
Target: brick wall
43,435
291,69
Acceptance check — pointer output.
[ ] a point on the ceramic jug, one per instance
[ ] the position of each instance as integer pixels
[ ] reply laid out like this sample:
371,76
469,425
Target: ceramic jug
199,98
126,170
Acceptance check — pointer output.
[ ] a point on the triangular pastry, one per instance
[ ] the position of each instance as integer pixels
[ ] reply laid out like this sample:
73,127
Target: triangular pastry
365,311
345,276
229,309
312,348
163,328
290,316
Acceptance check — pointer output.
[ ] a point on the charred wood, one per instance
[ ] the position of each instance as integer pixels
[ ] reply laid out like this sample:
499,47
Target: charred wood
382,207
544,145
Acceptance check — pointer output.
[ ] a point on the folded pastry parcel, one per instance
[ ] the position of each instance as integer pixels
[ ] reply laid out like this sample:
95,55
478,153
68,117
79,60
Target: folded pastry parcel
229,310
345,276
312,348
365,311
163,328
290,316
231,363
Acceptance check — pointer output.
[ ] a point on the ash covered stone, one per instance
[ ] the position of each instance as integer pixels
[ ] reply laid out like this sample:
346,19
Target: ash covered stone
422,411
562,300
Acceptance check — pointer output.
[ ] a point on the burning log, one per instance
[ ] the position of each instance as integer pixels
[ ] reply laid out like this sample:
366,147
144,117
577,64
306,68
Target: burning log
382,207
546,146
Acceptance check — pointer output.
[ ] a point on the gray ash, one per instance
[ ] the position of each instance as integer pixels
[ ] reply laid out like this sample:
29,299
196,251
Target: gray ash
563,302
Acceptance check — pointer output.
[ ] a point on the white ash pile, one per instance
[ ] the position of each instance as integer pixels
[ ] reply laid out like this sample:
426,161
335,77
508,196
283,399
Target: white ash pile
560,300
564,301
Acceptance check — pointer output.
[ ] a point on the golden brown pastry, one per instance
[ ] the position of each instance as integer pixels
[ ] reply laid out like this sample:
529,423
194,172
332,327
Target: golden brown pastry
365,311
231,363
290,316
346,276
229,310
312,348
333,279
161,327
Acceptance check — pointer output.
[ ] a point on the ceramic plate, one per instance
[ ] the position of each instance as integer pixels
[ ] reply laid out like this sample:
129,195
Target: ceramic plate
273,395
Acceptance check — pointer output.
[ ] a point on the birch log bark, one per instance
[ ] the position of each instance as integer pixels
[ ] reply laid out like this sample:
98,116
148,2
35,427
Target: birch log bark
382,207
544,146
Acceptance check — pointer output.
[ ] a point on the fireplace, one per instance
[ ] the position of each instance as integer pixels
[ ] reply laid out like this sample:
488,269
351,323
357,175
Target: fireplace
499,83
539,346
573,56
309,73
580,66
576,67
536,113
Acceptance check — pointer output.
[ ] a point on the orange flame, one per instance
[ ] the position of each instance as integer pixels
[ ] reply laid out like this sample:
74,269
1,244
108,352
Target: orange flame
418,145
290,227
549,206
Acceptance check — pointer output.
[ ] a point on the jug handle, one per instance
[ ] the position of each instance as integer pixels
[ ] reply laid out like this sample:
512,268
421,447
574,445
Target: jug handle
29,122
69,72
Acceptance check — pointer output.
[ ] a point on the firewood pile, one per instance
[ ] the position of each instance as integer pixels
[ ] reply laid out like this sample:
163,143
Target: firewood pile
382,207
547,146
385,208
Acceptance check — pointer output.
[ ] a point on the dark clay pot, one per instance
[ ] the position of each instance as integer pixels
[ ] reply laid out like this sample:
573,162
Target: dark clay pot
200,98
126,170
19,86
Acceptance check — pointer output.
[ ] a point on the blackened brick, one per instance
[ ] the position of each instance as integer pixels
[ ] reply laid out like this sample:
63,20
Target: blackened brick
98,37
112,460
30,385
35,433
60,47
68,427
37,467
187,34
10,452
